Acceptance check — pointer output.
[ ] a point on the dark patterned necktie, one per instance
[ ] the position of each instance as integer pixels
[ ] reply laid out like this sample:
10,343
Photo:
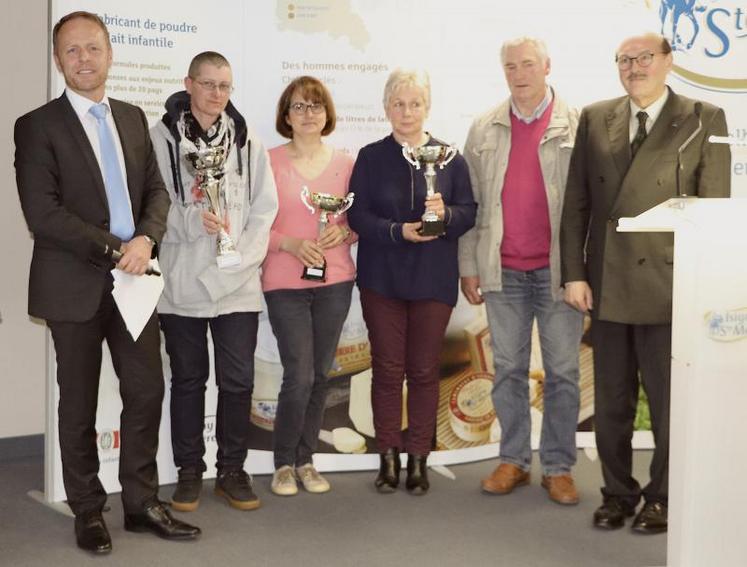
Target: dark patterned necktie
640,135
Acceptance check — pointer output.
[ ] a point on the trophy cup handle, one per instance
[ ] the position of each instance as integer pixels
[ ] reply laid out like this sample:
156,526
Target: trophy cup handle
305,197
346,204
407,153
449,155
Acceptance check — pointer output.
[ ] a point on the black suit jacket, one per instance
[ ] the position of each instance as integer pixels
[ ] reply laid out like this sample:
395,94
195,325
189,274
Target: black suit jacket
631,273
64,201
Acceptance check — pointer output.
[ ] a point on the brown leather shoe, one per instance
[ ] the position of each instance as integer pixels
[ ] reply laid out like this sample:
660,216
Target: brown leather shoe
561,489
504,479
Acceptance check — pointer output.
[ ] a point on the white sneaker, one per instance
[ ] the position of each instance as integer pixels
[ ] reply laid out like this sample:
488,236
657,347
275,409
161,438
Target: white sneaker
311,479
284,482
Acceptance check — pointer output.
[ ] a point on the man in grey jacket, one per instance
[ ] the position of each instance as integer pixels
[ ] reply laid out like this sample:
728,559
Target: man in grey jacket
204,290
518,155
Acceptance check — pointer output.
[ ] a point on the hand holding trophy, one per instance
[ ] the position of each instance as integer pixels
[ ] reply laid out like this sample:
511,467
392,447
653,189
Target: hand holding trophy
209,165
325,204
431,156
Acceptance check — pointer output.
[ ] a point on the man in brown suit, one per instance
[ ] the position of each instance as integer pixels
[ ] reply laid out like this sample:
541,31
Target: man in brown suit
89,184
624,162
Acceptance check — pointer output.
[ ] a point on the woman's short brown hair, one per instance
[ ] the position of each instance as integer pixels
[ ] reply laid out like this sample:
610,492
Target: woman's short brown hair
311,89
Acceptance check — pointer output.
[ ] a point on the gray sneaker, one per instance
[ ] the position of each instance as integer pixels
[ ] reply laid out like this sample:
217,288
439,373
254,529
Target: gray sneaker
284,482
311,479
236,487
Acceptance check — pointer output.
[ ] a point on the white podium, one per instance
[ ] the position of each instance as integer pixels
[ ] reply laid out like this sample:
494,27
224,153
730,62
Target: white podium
708,444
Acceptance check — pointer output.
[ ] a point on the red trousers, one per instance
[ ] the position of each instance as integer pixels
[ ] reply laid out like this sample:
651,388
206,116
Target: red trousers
406,339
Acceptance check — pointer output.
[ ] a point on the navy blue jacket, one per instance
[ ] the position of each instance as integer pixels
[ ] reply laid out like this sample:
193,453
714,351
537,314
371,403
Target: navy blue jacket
389,192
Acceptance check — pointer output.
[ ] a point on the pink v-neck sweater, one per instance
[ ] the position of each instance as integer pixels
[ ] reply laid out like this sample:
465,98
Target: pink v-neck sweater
282,270
526,221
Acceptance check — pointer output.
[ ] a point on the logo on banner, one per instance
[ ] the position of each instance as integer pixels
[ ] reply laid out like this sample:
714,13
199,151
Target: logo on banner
727,326
709,38
208,432
108,440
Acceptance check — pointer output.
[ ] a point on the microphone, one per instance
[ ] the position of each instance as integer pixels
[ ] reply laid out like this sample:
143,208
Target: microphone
697,109
116,256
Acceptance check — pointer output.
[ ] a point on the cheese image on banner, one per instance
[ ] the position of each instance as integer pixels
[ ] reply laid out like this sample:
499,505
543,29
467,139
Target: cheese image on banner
471,410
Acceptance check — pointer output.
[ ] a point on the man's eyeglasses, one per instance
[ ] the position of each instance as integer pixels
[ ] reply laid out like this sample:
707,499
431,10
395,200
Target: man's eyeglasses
300,108
625,62
224,88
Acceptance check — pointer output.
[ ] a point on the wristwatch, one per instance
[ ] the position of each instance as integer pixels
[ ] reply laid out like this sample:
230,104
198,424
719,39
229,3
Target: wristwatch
150,240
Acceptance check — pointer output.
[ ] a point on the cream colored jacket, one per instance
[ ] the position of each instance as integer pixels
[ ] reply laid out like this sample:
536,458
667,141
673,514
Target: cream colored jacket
486,150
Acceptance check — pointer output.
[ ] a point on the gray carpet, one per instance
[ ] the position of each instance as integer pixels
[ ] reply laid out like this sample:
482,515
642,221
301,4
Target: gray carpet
455,524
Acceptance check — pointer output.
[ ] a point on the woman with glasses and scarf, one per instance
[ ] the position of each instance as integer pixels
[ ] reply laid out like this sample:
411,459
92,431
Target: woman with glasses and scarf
204,289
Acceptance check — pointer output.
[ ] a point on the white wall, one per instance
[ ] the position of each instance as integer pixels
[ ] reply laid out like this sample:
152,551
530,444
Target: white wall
22,358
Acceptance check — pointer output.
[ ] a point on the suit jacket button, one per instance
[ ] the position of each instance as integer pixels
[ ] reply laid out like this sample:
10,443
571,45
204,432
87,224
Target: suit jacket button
601,179
641,261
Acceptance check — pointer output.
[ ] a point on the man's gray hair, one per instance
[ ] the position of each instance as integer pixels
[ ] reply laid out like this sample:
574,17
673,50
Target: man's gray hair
400,78
539,46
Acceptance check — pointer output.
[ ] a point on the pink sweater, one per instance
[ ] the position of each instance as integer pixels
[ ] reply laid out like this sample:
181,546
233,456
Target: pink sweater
526,219
282,270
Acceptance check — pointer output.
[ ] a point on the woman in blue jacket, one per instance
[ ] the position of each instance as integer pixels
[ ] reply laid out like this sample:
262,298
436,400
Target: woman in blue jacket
408,282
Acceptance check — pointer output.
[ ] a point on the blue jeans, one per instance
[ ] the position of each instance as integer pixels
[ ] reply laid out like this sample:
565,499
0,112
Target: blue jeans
511,312
307,324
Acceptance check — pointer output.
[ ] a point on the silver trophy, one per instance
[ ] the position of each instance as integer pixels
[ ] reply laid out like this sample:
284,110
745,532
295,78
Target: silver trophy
209,165
326,204
431,156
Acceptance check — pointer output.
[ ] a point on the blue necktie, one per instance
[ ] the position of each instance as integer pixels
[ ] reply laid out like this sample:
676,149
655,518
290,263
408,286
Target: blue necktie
120,215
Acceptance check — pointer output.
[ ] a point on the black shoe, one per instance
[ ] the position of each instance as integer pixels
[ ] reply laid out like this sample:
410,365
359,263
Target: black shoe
417,474
652,519
186,497
157,519
612,513
388,478
236,487
91,533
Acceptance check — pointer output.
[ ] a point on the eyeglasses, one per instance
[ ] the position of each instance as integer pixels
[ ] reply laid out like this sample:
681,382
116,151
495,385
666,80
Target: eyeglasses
300,108
224,88
625,62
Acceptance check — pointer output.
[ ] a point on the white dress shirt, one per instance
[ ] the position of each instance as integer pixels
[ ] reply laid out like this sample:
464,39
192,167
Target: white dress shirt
653,110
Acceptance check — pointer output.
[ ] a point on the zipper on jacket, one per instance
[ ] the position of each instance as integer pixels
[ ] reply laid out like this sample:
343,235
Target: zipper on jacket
175,173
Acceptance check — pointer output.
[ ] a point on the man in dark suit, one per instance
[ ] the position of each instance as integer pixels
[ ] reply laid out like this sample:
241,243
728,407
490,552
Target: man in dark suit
89,184
624,162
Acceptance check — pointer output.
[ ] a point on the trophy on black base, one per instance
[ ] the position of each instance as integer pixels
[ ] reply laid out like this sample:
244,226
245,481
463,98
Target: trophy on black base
325,204
431,156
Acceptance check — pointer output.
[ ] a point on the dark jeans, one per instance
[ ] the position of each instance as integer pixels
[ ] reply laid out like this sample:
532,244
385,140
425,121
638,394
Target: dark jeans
307,324
621,352
234,340
406,339
138,367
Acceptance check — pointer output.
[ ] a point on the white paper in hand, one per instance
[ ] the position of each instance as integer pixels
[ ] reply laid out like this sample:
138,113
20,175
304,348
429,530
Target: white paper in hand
136,298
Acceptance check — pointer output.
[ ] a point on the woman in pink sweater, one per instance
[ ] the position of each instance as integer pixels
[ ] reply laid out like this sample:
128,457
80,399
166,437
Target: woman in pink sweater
306,314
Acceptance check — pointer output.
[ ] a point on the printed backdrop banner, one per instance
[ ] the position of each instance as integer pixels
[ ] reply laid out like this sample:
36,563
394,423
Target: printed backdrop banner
352,45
